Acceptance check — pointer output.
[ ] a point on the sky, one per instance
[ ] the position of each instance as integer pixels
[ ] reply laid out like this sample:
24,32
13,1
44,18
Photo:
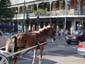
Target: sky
19,1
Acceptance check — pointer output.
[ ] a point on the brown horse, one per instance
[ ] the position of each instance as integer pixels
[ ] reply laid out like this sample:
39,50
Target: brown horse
21,41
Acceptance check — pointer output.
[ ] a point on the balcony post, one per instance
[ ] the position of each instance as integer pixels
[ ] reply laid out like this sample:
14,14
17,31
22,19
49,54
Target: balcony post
65,15
50,10
23,23
79,6
16,21
73,26
59,5
37,6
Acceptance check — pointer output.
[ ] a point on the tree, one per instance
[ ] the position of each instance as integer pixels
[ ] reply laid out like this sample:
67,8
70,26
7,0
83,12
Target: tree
5,10
40,11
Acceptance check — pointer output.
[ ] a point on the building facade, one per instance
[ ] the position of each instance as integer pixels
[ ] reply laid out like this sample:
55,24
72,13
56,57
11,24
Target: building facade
68,14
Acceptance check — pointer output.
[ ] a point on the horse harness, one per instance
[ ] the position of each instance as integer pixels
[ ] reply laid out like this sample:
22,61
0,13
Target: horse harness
37,41
15,45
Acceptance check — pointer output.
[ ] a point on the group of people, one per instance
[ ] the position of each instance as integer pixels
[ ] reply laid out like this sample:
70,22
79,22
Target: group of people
62,33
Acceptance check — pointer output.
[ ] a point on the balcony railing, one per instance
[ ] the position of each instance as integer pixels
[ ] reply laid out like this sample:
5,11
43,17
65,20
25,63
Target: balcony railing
61,12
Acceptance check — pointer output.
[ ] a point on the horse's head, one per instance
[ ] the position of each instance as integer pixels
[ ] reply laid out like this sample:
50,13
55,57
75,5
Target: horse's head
50,31
53,31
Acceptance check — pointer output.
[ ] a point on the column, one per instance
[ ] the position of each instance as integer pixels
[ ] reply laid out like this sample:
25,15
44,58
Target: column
50,7
81,6
54,8
50,10
27,19
73,26
37,6
78,4
59,5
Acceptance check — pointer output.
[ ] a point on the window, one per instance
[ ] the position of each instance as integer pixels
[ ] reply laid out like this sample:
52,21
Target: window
62,3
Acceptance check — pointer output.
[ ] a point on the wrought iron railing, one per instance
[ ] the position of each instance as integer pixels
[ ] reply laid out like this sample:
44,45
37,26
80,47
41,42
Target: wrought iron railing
52,13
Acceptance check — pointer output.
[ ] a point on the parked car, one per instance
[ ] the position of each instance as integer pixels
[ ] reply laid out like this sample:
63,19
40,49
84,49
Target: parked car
76,37
81,48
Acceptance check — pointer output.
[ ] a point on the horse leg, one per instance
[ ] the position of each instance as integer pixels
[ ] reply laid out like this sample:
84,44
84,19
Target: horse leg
15,60
34,56
41,54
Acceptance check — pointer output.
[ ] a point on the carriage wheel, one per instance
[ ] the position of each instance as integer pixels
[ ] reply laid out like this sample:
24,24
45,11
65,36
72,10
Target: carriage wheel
3,59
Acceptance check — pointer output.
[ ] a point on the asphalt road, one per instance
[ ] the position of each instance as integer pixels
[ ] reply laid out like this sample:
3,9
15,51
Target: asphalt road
56,53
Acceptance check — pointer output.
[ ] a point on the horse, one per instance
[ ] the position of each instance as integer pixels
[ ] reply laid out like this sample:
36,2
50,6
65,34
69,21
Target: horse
24,40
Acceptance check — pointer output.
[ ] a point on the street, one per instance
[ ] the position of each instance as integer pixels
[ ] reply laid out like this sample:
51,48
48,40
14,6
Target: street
56,53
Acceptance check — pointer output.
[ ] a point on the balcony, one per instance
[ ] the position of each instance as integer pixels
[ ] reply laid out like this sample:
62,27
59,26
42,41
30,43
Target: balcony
57,13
